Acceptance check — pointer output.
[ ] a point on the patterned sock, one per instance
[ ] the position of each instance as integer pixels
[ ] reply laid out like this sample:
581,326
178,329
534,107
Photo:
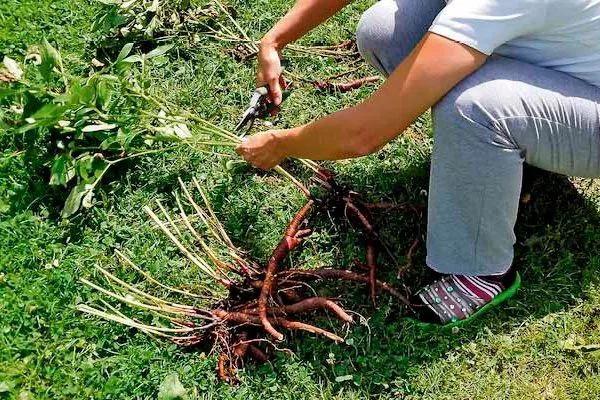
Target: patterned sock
457,297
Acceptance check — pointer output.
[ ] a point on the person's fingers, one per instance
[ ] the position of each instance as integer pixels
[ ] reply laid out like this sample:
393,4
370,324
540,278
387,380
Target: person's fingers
256,151
240,149
276,95
282,82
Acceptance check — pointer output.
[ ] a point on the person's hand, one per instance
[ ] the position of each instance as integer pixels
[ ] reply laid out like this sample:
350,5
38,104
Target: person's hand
262,150
269,71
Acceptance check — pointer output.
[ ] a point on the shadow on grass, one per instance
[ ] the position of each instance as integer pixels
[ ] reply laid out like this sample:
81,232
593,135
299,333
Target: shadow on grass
557,234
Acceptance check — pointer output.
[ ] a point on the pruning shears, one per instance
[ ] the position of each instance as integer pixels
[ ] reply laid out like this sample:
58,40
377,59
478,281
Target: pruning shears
259,107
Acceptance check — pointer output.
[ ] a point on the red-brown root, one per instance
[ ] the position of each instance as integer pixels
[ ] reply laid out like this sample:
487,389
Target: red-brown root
290,295
356,213
241,347
331,273
222,370
242,318
309,328
305,306
372,264
282,250
409,259
342,87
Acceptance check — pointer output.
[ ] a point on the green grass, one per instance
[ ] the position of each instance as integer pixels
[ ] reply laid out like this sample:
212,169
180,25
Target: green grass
534,348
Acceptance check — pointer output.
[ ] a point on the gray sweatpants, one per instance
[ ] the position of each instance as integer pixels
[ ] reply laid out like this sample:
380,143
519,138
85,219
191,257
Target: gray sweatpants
506,113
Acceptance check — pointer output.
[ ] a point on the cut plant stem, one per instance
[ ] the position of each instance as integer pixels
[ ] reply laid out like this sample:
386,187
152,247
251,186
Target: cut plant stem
139,292
239,28
214,219
168,217
219,264
136,303
295,181
154,281
148,329
199,263
199,211
210,128
215,227
343,87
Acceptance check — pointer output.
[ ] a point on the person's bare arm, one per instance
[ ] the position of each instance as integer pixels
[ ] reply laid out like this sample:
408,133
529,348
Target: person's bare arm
434,67
304,16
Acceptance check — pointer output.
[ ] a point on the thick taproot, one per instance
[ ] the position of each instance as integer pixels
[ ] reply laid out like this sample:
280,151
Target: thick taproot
282,250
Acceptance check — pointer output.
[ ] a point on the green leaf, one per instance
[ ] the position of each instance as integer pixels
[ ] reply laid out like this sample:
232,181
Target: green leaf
109,143
32,103
159,51
88,199
231,165
152,27
8,92
133,59
571,345
50,59
49,114
46,116
126,4
58,172
73,202
104,92
124,52
172,389
87,95
154,7
98,167
84,164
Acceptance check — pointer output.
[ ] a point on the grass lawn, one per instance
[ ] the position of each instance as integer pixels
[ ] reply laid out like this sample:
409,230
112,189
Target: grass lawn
542,345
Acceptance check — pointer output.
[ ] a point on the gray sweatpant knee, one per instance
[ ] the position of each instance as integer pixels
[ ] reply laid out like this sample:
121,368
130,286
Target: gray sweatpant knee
389,30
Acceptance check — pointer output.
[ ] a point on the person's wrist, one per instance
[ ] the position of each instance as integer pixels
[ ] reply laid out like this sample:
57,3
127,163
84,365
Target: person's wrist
270,42
284,141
